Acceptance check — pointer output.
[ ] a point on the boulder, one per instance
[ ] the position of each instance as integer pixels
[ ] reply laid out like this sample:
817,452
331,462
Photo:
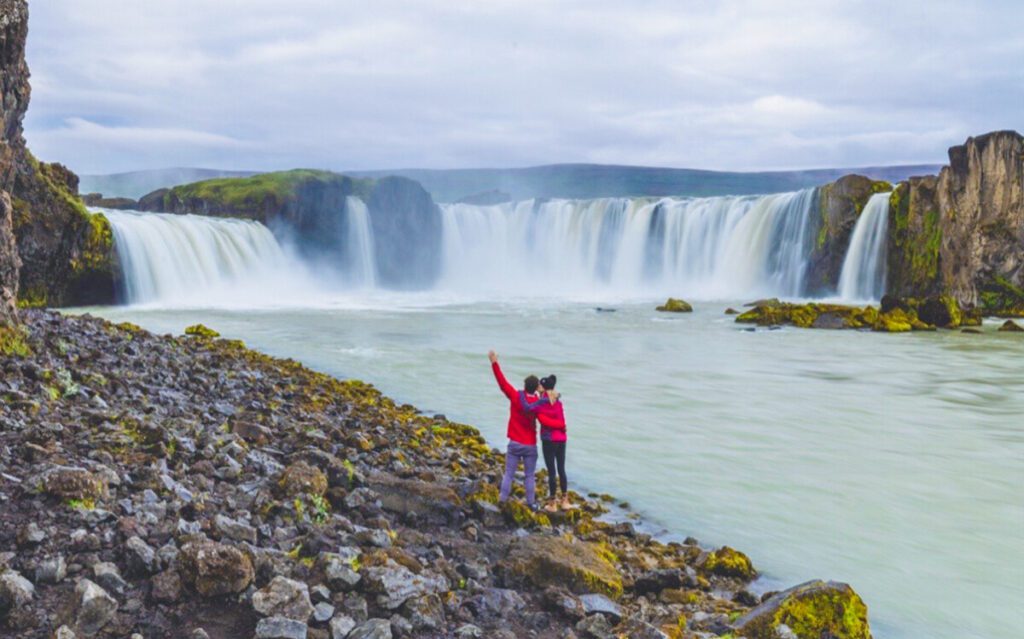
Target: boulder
69,484
583,567
811,610
283,597
281,628
338,572
301,479
1009,326
673,305
426,613
15,591
95,607
214,569
728,562
51,570
597,603
394,584
434,501
140,557
372,629
341,625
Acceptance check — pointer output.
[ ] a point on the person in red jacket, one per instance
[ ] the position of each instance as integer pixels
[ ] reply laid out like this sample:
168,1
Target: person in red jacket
522,433
551,415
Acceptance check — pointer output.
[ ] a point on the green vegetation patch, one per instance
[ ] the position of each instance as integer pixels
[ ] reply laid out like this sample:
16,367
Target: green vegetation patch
261,190
14,341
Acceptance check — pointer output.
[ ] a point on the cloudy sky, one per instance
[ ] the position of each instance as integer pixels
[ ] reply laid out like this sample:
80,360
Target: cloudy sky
263,84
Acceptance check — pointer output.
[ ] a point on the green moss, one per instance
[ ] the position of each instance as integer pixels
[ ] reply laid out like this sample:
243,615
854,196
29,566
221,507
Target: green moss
833,614
729,563
259,191
199,330
1001,298
33,297
14,341
673,305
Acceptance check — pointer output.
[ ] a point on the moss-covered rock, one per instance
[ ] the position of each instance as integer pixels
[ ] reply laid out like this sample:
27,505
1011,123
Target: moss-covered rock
728,562
583,567
673,305
812,610
201,330
14,341
1000,298
896,315
839,205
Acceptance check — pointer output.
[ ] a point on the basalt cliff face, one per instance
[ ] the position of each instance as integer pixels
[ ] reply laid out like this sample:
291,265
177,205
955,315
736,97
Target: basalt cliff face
959,233
14,83
313,208
66,254
962,232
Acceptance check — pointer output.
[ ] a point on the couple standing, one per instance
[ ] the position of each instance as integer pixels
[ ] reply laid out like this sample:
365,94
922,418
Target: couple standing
526,407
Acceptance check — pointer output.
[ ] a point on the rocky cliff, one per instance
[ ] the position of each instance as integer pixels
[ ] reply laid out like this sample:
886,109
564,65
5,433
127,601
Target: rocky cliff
14,84
65,252
839,205
962,233
312,208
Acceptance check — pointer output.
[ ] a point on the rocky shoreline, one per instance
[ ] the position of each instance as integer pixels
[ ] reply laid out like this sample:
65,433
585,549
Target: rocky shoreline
162,486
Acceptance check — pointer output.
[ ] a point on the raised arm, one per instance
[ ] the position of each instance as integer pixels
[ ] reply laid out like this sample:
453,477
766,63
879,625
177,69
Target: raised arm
508,389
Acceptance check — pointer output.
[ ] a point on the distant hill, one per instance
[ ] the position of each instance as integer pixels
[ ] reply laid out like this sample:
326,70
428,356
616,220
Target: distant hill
557,180
135,184
598,180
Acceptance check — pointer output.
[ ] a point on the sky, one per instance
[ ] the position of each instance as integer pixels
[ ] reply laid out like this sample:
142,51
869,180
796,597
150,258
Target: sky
123,85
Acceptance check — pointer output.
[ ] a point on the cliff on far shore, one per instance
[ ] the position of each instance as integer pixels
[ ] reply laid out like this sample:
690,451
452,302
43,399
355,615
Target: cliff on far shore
313,208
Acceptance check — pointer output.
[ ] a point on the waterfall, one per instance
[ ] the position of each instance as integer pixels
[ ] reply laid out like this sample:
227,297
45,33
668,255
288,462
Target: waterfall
863,273
718,247
361,262
192,259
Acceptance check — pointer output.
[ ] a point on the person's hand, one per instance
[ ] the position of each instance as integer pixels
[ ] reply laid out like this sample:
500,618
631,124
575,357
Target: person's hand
491,355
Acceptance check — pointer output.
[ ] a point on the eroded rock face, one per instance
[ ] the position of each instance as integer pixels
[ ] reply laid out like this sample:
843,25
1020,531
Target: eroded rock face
14,84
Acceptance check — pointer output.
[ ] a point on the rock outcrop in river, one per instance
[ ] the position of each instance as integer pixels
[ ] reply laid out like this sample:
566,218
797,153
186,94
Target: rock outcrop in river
311,207
66,253
189,487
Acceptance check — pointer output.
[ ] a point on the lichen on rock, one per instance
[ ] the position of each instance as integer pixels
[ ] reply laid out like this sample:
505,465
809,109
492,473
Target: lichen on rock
811,610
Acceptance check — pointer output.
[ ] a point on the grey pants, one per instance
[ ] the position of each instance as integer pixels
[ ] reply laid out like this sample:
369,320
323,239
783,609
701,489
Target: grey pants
528,456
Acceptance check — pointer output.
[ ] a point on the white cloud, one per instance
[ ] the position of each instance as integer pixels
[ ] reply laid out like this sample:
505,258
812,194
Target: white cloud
737,84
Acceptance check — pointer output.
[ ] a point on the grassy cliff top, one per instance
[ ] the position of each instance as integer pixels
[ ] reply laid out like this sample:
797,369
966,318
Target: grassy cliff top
278,186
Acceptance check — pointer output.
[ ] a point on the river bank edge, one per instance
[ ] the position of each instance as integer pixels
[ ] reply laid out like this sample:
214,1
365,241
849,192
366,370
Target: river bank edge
129,454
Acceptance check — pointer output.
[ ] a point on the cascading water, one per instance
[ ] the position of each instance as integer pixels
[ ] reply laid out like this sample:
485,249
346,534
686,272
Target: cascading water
192,259
361,264
863,273
717,247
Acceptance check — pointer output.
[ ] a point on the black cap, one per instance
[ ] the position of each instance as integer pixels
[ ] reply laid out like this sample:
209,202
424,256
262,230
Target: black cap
548,383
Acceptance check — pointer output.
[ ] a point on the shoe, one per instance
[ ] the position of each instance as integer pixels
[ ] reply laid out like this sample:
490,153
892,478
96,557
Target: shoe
551,506
566,504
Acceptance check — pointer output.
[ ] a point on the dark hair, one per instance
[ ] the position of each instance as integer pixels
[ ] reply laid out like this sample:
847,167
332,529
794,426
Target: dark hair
548,382
531,383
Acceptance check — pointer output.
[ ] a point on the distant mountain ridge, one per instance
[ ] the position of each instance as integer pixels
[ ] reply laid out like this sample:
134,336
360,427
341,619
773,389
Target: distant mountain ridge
557,180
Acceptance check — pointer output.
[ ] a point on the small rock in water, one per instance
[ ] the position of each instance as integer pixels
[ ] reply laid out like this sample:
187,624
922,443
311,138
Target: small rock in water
1011,326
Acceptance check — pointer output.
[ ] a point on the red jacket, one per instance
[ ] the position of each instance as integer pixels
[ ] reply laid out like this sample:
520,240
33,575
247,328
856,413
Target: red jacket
551,418
522,426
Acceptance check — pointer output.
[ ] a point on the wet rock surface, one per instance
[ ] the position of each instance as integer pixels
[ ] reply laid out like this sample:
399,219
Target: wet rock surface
189,487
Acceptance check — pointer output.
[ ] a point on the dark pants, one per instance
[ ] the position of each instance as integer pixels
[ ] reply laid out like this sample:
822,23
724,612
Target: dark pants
554,459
